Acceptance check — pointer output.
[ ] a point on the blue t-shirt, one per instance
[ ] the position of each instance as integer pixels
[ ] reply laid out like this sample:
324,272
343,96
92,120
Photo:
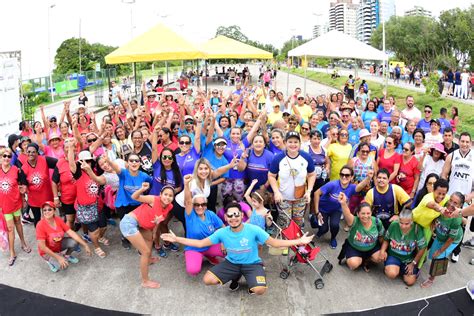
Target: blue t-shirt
353,136
196,228
215,162
182,132
242,246
235,150
367,117
186,162
444,124
407,138
328,202
258,166
384,116
424,125
257,220
274,149
128,185
158,183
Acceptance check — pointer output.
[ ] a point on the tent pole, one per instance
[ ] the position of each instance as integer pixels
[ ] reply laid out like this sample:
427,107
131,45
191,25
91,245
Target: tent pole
305,68
288,81
205,72
135,77
167,79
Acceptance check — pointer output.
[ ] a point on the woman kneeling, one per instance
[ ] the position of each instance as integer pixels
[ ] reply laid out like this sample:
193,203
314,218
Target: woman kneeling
365,236
138,225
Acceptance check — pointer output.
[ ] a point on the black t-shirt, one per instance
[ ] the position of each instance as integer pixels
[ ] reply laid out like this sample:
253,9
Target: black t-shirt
146,164
82,101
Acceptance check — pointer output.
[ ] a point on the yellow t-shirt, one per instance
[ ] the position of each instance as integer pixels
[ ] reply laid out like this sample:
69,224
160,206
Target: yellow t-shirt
400,195
305,112
272,117
338,155
424,215
260,95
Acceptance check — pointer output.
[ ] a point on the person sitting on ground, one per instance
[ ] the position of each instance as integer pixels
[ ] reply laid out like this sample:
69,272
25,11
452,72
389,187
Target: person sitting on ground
138,226
365,236
402,248
241,243
53,247
448,233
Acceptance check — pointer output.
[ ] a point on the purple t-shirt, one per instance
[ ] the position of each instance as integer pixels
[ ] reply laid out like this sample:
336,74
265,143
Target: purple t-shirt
186,162
328,202
235,150
424,125
157,183
257,167
274,149
384,116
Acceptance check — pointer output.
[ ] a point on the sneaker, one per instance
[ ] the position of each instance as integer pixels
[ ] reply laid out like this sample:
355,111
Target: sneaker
126,244
162,252
454,258
171,246
77,248
71,259
469,243
26,219
333,243
234,286
87,238
53,267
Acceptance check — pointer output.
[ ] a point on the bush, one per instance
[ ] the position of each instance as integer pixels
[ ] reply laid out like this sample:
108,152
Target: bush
431,84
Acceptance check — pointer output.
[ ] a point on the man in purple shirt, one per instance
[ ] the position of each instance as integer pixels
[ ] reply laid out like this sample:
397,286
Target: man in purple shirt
425,124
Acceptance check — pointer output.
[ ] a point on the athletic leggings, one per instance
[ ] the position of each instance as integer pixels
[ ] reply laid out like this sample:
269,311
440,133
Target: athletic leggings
331,223
194,258
294,209
36,213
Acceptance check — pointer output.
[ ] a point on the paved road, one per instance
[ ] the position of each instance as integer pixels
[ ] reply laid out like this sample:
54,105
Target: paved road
113,282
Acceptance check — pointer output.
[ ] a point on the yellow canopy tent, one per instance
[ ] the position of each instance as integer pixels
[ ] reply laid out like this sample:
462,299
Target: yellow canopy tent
158,43
222,47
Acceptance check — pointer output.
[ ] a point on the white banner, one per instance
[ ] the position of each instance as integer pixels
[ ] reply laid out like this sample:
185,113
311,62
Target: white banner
10,107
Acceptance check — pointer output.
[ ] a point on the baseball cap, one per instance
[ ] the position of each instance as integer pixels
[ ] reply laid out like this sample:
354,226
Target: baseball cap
286,112
435,121
292,135
85,155
364,132
49,203
188,117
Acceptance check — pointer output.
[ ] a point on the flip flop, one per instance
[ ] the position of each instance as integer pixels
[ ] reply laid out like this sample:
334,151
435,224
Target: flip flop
26,249
11,261
104,241
99,252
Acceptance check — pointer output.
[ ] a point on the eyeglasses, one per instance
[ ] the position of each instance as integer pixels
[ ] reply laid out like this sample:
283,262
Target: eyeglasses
32,152
91,140
196,205
134,160
189,122
48,209
427,111
184,142
345,175
305,129
343,134
167,157
231,215
364,151
7,156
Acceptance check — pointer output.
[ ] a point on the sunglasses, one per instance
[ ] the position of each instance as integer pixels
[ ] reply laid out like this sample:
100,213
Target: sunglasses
427,111
364,151
31,152
134,160
48,209
196,205
231,215
389,143
91,140
406,149
345,175
167,157
184,143
305,129
343,134
52,121
7,156
293,123
189,122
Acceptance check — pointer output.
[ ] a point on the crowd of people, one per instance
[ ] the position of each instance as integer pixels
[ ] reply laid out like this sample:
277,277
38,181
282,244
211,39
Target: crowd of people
397,177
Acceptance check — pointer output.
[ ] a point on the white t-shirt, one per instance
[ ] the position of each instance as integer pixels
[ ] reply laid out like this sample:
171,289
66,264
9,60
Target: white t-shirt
430,139
429,166
194,190
464,78
412,114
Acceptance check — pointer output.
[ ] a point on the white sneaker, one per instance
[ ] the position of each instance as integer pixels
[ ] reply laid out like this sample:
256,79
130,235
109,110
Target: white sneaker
454,258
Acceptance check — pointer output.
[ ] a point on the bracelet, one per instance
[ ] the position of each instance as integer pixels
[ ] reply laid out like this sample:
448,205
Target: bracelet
56,198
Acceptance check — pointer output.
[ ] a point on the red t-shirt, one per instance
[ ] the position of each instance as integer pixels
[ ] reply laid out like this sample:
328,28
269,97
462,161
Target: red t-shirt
62,175
388,163
52,236
173,146
39,183
87,190
10,198
410,170
146,215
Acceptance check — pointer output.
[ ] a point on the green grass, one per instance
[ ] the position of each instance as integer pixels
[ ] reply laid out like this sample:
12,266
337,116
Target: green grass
466,112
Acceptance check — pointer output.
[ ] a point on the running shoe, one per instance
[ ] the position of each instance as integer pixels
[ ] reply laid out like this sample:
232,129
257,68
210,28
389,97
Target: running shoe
469,243
333,243
77,248
171,246
53,267
26,219
234,286
87,238
162,252
454,258
126,244
71,259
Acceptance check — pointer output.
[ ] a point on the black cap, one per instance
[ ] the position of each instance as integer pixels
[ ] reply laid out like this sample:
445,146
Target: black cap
435,121
292,135
13,138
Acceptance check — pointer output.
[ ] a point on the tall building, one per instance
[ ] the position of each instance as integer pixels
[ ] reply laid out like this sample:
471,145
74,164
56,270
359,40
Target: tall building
418,11
370,14
342,17
319,30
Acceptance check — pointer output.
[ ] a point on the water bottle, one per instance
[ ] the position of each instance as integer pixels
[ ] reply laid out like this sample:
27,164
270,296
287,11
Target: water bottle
324,175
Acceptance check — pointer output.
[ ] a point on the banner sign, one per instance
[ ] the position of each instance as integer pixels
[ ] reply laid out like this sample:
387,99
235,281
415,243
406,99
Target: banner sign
10,107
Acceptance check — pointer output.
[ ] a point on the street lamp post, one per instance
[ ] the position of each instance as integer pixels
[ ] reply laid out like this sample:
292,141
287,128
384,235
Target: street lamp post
51,87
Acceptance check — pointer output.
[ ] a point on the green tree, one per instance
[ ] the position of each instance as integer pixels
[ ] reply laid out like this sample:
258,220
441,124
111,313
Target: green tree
232,31
289,45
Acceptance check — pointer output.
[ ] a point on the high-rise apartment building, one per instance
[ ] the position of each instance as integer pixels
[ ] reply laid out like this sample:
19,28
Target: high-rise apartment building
418,11
370,14
342,17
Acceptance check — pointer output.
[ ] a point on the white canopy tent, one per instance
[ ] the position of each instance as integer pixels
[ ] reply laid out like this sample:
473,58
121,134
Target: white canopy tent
335,44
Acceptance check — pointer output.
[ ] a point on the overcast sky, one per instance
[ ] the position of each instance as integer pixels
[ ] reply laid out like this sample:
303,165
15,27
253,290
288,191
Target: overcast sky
24,24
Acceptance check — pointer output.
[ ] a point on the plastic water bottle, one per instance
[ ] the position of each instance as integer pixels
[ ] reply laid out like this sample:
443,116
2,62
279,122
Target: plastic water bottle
324,175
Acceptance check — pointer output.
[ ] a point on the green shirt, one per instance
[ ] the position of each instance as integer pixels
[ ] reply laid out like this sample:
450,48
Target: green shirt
363,239
446,227
402,246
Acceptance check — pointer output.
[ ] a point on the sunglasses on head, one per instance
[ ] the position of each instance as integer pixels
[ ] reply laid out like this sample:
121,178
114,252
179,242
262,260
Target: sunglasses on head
199,205
167,157
182,142
231,215
7,156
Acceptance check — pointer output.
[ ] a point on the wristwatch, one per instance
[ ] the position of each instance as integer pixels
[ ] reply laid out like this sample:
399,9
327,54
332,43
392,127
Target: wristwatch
414,262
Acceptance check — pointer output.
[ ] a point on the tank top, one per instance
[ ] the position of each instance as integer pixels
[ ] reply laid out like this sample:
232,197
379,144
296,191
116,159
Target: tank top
361,168
67,182
39,183
461,172
384,204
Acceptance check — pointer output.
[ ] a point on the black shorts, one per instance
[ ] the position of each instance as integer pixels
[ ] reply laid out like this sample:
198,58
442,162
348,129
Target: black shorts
227,271
67,209
101,223
352,252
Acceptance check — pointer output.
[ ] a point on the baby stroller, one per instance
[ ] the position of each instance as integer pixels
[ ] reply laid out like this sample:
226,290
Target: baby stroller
303,254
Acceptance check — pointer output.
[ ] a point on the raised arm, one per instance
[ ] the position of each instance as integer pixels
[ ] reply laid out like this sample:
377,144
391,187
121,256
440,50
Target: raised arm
138,195
447,167
249,190
188,197
348,216
197,135
220,171
45,121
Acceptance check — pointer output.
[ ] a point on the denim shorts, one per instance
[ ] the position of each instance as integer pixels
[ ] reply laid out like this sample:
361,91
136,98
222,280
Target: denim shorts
128,226
391,260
